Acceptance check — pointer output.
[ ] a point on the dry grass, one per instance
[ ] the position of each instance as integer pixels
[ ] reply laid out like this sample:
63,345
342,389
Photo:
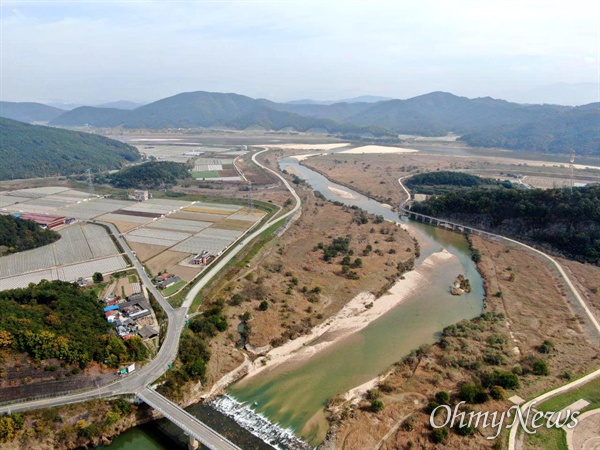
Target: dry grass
146,251
232,224
586,278
164,261
206,210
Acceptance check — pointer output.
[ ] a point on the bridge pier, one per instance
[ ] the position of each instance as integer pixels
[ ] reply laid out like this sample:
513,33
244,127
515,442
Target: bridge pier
192,443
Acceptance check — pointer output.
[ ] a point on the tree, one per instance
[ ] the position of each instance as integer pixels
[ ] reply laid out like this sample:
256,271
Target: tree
264,305
376,405
97,277
442,397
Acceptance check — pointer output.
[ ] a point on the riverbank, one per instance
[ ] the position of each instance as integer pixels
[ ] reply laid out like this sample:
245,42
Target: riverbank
361,311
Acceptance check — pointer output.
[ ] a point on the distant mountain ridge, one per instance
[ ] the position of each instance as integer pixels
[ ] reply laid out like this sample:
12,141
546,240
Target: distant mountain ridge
360,99
29,111
483,121
30,151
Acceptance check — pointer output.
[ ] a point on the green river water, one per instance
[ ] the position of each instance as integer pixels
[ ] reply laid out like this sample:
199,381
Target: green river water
293,395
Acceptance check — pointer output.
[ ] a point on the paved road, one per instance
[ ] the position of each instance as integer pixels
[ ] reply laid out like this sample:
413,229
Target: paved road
184,420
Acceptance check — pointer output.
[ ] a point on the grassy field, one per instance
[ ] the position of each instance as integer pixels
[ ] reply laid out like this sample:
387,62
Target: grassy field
589,391
553,439
173,288
206,174
547,439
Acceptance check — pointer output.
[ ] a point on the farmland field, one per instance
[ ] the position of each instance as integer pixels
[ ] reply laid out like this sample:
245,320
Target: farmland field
165,260
78,243
205,174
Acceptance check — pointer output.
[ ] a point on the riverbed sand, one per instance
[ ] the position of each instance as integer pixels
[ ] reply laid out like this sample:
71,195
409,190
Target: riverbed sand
306,156
306,146
371,149
354,316
342,194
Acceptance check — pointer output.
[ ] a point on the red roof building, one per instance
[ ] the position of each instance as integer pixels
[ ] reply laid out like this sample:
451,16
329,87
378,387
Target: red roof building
45,220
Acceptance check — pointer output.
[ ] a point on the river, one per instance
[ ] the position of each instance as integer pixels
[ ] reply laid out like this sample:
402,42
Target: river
293,395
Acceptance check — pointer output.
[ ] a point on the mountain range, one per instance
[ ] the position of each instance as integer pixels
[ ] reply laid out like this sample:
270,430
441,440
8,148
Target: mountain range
483,122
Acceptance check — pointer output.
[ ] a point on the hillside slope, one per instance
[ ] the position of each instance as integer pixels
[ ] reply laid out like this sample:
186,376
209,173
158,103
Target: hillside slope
29,112
29,151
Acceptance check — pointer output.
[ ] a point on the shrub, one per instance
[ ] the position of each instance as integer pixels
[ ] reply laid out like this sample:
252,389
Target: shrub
442,397
376,405
439,435
464,430
497,393
264,305
540,367
504,379
472,393
546,347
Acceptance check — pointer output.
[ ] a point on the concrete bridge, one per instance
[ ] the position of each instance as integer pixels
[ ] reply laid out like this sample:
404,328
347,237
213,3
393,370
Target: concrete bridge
443,223
196,430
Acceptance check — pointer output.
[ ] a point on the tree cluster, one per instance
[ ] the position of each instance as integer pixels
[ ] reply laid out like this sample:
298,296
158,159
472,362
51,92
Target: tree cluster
568,220
56,319
18,234
150,175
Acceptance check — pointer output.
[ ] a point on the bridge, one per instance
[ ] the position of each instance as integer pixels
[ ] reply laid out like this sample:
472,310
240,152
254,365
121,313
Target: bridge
443,223
194,428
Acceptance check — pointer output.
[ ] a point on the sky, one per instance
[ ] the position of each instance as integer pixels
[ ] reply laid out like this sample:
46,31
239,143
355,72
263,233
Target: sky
93,52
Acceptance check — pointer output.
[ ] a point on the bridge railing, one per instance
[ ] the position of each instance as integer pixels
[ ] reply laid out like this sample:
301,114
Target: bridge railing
143,395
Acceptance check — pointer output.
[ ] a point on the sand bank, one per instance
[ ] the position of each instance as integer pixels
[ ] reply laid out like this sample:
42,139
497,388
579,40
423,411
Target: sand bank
305,146
308,155
374,149
342,194
354,316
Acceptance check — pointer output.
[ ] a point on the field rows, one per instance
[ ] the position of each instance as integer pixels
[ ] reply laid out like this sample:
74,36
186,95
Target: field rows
67,273
78,243
180,225
159,234
204,167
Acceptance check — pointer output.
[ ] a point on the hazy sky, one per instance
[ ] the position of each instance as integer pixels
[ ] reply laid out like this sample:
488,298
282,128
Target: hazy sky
91,52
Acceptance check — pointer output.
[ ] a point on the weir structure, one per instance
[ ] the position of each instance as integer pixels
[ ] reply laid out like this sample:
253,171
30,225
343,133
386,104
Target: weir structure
196,430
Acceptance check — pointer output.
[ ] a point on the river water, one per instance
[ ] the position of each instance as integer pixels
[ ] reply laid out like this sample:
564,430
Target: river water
293,395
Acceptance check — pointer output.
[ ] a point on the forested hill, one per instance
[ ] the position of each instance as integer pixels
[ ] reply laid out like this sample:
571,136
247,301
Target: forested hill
29,151
575,129
18,234
483,122
29,111
443,181
564,220
150,175
56,319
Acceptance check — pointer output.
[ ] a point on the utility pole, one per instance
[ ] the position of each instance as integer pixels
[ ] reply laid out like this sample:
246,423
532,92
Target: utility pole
250,200
90,182
571,169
